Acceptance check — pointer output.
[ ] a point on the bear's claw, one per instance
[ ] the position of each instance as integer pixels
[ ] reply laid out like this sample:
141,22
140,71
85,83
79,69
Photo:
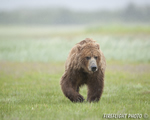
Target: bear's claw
79,98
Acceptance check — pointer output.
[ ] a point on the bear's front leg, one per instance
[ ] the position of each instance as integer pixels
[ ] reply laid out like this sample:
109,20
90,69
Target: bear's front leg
95,90
73,95
70,92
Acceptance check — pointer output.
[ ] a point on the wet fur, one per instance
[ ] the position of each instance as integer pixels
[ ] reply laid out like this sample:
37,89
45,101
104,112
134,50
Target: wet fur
76,72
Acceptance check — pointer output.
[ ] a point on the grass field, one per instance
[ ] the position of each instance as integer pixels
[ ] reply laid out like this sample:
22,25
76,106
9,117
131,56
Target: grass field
32,63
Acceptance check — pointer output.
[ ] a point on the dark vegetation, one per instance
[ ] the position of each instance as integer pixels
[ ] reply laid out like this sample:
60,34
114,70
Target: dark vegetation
58,16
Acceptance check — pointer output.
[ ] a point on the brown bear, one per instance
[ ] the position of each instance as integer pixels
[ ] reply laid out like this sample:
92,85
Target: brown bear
85,65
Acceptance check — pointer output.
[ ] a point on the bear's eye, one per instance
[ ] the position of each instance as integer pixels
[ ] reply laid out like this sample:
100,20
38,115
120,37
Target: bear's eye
95,57
88,58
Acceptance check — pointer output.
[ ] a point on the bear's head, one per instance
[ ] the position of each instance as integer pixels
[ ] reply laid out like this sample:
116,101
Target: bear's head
89,56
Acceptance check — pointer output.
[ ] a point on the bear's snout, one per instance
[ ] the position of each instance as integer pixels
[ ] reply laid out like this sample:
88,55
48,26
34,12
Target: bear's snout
92,65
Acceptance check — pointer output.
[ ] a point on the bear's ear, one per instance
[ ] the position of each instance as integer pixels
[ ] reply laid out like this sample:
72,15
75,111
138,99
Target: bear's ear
79,47
97,46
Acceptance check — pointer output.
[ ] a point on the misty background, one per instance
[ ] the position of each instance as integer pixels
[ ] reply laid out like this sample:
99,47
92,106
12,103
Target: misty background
76,12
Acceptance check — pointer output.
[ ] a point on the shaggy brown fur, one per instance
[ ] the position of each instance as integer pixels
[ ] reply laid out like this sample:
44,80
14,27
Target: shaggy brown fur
84,65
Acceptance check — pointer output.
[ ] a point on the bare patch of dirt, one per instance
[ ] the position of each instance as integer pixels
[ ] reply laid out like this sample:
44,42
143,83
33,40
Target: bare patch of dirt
146,92
19,68
25,67
140,68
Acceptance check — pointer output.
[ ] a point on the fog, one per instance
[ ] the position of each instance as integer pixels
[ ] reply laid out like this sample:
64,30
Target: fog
86,5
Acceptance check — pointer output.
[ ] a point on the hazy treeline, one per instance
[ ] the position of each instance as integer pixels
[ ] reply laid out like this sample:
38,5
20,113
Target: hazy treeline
60,16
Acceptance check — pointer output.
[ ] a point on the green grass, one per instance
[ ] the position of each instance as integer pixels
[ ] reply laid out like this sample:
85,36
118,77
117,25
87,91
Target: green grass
37,95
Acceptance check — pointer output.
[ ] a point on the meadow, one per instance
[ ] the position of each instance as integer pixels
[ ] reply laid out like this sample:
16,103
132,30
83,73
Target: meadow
32,63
